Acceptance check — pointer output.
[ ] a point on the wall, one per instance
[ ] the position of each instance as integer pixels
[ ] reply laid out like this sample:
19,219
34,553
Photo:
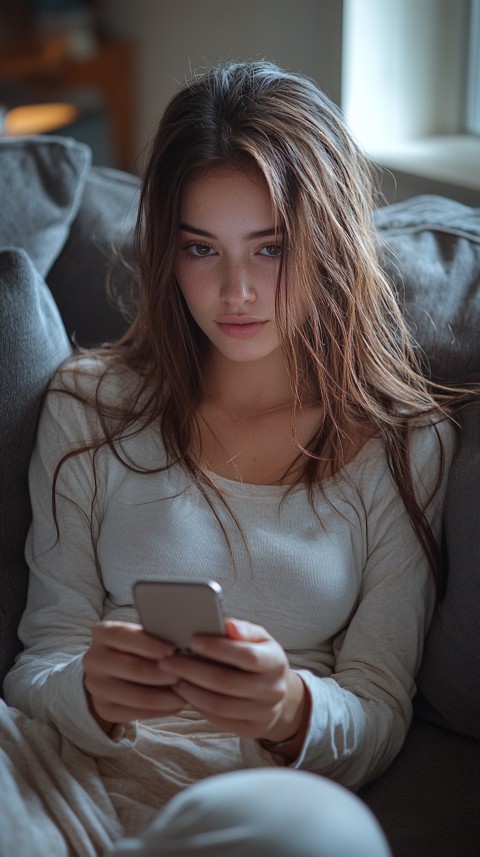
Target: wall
175,37
403,68
404,94
395,66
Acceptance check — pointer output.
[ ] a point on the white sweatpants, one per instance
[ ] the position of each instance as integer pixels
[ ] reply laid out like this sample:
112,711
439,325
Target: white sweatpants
261,813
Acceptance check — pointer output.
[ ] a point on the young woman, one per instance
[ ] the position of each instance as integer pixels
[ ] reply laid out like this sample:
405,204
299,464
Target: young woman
263,423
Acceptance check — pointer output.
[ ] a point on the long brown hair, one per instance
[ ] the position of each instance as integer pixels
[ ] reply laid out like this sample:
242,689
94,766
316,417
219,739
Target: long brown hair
351,343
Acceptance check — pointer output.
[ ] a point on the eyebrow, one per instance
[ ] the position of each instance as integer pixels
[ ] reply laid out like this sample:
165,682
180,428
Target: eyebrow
250,236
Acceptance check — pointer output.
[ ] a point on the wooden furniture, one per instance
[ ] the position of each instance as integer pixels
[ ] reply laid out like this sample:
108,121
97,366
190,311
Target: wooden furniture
50,68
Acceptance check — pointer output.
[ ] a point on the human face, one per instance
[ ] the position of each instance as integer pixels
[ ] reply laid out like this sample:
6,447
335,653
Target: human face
227,262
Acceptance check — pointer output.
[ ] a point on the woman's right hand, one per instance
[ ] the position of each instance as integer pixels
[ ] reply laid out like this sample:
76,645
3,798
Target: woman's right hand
124,679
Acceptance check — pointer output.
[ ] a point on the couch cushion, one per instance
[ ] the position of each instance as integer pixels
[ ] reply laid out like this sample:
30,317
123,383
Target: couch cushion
432,254
428,802
41,184
449,679
33,343
101,233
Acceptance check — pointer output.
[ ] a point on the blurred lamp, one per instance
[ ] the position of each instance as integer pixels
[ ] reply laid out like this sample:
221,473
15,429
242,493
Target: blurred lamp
38,118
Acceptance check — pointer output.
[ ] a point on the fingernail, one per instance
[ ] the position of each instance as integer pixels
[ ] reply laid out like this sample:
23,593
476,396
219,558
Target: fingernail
237,625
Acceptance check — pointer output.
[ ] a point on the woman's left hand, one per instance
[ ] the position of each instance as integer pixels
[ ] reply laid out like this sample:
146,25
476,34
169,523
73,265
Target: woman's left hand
261,697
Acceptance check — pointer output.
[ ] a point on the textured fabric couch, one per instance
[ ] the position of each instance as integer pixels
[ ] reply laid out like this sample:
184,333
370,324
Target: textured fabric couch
59,220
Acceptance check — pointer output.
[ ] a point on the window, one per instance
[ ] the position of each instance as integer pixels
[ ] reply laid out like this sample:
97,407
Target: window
411,96
473,71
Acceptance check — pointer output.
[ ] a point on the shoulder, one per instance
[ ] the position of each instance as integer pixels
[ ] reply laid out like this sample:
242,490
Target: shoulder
432,448
428,454
93,377
85,394
429,439
433,441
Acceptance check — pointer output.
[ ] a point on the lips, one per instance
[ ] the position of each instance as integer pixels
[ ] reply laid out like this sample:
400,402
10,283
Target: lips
240,327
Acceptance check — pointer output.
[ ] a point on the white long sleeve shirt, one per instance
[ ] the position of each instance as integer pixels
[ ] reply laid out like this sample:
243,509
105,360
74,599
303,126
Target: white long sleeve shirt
345,588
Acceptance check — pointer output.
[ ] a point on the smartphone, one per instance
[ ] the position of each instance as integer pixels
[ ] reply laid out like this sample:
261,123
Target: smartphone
175,611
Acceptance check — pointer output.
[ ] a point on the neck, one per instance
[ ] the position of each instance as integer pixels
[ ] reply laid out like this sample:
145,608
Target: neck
248,388
249,411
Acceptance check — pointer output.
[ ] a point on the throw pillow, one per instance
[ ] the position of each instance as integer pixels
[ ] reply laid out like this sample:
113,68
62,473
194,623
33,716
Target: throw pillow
98,248
33,343
431,251
41,184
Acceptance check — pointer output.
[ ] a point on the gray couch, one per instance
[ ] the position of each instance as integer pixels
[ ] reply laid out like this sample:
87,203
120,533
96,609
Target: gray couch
59,219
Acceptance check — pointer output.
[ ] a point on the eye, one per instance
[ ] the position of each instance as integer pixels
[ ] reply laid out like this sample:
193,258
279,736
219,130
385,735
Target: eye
272,251
199,251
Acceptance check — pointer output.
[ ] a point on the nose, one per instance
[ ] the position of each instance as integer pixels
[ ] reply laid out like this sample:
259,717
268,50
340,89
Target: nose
237,286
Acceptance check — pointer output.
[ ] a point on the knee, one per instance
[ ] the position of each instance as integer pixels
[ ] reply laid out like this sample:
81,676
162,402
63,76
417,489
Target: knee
268,813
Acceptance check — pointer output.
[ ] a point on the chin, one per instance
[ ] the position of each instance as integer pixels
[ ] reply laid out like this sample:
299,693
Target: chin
248,354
